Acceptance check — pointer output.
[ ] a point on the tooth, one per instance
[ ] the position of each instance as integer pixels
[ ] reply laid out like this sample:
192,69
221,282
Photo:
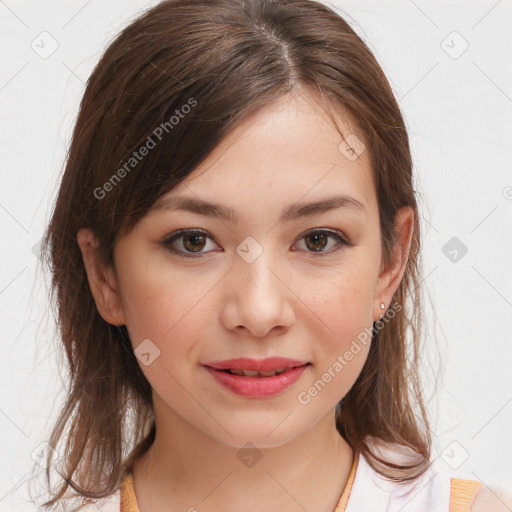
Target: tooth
270,373
250,373
254,373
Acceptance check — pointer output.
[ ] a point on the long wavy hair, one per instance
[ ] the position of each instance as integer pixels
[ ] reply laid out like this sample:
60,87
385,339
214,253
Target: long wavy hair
226,60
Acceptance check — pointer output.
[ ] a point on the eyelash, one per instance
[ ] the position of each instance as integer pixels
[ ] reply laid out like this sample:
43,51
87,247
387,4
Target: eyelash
167,242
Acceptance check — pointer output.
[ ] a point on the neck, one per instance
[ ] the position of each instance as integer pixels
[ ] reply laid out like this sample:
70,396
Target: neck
186,469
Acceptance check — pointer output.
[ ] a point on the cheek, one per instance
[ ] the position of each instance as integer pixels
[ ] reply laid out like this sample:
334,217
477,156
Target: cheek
342,353
343,299
166,316
161,305
342,310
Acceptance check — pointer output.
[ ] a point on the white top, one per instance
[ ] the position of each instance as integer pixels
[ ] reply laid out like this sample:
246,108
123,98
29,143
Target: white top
430,492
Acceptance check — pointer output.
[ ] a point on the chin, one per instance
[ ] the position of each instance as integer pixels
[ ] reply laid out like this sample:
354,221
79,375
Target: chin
262,433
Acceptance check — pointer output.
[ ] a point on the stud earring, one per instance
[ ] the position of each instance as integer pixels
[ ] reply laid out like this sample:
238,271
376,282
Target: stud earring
382,306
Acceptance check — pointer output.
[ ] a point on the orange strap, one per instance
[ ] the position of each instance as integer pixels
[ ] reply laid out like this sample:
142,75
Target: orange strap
128,499
463,494
342,503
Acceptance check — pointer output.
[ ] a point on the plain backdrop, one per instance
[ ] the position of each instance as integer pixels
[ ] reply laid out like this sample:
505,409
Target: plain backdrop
449,65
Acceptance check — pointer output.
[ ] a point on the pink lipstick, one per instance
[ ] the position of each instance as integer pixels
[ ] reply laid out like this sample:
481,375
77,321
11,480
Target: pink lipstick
256,378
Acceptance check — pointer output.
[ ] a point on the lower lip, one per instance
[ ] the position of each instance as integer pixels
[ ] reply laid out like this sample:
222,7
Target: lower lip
257,387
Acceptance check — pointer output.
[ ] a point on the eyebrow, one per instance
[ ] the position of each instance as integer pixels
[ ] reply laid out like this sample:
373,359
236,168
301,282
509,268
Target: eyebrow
293,212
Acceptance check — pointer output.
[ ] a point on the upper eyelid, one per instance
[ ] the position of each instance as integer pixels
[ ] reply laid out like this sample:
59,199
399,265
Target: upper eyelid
184,231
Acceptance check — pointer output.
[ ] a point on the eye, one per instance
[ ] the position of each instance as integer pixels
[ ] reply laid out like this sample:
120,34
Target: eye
192,241
188,243
317,241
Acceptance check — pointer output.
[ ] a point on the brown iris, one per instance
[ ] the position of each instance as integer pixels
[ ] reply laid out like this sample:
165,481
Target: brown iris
190,242
320,240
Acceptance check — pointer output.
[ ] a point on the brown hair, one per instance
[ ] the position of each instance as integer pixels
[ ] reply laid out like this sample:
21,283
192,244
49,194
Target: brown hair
226,60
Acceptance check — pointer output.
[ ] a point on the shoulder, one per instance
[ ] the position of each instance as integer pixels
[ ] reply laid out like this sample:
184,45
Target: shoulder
490,499
122,500
435,490
111,503
429,491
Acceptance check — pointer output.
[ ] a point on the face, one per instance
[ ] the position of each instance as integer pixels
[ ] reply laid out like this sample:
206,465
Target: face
275,278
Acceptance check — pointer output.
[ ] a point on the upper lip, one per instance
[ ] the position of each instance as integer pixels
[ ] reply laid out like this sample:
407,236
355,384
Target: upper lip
263,365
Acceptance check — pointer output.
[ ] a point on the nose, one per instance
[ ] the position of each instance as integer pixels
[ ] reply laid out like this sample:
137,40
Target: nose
257,298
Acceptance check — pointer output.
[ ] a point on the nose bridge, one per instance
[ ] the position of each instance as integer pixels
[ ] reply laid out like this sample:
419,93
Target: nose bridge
261,299
258,282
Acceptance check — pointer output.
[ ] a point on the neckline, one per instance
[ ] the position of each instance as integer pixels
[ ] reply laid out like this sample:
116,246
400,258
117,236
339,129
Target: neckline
129,500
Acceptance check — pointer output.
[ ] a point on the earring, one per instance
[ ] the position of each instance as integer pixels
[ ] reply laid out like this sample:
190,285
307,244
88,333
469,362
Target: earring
382,306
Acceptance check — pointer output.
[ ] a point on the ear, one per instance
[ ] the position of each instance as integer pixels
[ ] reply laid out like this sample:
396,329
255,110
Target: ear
102,279
391,276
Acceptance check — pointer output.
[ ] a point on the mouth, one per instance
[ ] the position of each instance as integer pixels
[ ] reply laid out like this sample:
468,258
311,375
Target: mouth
246,367
255,373
253,378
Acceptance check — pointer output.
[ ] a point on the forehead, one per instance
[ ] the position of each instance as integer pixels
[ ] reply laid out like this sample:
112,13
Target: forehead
289,151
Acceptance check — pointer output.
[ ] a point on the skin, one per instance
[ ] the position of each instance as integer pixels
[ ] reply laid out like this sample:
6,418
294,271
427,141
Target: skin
492,499
291,302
